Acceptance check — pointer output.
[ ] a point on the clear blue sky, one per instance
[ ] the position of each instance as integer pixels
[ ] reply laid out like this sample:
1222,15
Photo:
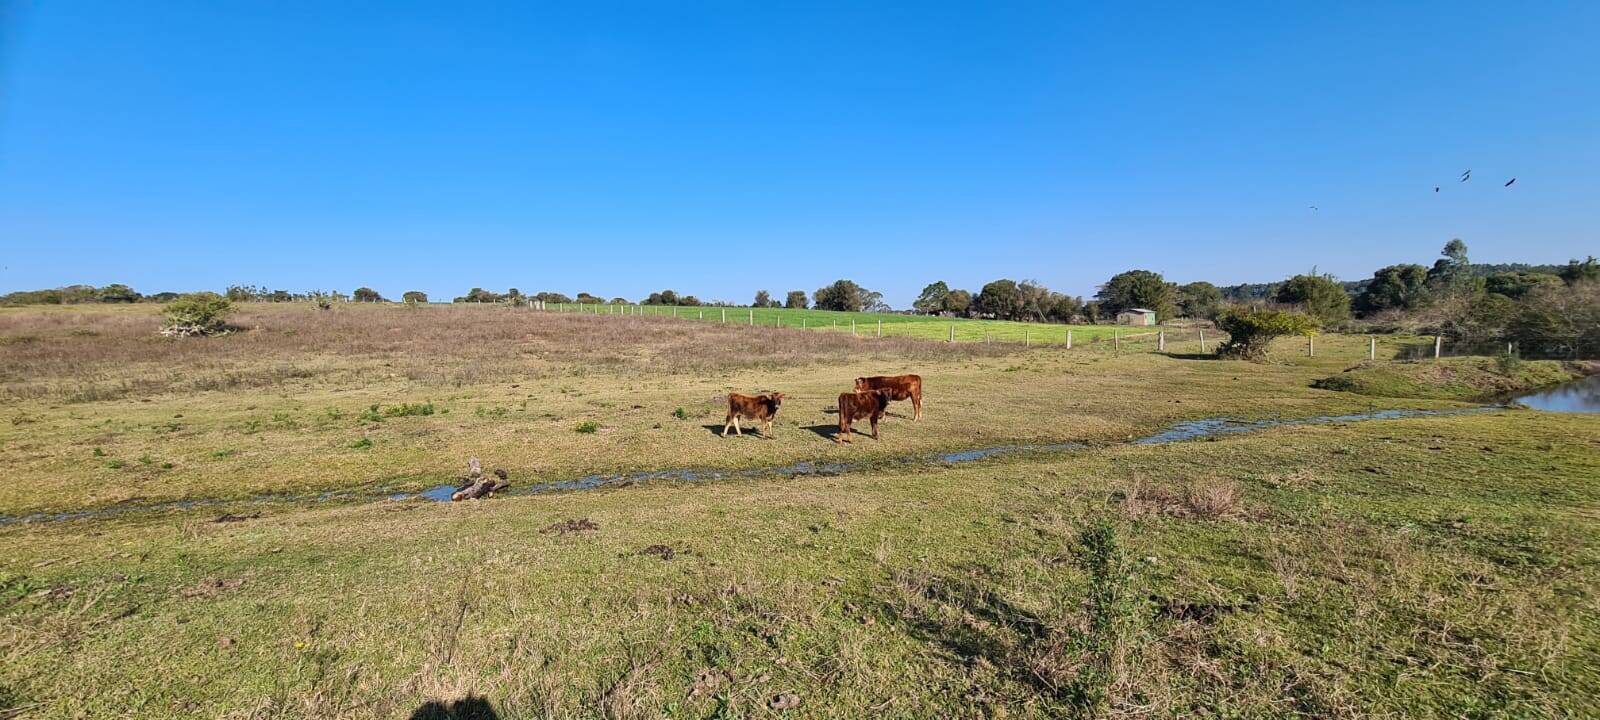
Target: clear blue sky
719,149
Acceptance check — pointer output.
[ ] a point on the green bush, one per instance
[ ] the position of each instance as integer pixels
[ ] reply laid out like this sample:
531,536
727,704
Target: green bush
361,444
202,313
1251,330
408,409
588,427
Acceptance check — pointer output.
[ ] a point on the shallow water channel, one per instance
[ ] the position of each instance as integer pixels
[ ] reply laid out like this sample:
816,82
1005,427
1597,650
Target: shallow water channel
1179,432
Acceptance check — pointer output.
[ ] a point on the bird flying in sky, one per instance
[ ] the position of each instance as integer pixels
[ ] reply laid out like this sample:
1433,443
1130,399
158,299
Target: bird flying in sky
1465,176
1508,182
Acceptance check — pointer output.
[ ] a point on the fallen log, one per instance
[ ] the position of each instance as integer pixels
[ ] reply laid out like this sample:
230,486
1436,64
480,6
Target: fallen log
475,485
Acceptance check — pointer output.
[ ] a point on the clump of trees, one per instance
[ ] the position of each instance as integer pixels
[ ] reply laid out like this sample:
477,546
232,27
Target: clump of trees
202,313
845,295
1318,296
796,300
414,297
668,297
367,295
1002,299
1251,329
73,295
1199,300
1138,289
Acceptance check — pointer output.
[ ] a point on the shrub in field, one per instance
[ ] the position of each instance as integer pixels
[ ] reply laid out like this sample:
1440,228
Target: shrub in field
1251,329
203,313
588,427
408,409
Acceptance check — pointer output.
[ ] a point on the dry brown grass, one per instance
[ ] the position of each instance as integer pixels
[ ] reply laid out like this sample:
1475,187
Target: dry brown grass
1201,498
88,354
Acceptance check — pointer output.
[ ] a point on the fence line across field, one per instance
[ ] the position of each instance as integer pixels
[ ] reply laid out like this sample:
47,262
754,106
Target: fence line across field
1067,337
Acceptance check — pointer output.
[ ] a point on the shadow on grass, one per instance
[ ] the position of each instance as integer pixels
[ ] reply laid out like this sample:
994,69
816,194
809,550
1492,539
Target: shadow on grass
747,431
1192,356
470,707
826,432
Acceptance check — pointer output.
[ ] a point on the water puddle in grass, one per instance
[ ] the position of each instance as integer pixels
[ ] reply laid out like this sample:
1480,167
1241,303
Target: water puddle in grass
1183,431
1578,396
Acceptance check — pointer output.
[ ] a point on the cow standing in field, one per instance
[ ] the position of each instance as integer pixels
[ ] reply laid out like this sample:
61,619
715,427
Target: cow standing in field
870,404
900,387
760,408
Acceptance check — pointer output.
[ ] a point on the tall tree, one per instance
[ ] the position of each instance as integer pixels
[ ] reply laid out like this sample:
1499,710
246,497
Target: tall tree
763,299
932,300
1002,298
366,294
1452,271
1138,289
841,295
414,297
796,300
958,302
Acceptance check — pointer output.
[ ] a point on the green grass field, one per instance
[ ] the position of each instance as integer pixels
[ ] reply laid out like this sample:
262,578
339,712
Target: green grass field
896,324
1440,566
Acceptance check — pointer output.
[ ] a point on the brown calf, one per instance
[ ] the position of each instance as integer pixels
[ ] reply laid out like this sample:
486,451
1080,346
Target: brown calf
853,406
900,387
760,408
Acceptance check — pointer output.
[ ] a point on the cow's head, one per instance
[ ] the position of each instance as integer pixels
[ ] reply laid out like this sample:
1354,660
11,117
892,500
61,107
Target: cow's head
861,383
777,399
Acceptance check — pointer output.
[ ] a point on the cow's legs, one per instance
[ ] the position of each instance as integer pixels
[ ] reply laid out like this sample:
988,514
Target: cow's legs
844,431
736,430
725,423
766,429
874,427
916,407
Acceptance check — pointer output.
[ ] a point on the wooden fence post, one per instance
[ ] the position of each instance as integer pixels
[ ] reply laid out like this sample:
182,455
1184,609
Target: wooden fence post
1438,345
1069,339
952,334
1372,347
724,314
752,317
1026,341
802,323
1311,346
880,328
1202,342
1116,340
1161,341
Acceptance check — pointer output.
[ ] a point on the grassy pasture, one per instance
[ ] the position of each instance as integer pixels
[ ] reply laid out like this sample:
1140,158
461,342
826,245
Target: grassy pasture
304,401
895,324
1426,567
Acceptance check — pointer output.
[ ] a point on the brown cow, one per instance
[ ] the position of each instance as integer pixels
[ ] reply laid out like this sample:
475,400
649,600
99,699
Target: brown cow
853,406
900,387
752,407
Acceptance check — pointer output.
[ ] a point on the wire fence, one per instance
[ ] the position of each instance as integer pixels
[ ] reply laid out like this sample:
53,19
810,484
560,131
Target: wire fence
1171,339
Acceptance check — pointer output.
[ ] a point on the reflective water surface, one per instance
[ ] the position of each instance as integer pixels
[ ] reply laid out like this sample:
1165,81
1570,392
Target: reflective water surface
1578,396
